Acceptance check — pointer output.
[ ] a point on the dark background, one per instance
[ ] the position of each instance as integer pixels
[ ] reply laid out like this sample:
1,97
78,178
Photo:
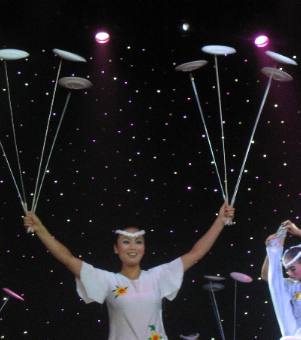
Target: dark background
131,151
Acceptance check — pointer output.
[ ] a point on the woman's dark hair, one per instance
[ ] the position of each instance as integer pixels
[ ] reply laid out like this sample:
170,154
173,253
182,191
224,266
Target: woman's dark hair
291,253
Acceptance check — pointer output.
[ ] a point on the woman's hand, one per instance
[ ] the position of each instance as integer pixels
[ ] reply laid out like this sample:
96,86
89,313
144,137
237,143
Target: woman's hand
226,213
32,222
291,228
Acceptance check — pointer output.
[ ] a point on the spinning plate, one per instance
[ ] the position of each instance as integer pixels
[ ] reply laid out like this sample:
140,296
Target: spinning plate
12,294
281,58
190,337
291,337
213,286
12,54
241,277
191,66
68,55
75,83
214,278
218,49
276,74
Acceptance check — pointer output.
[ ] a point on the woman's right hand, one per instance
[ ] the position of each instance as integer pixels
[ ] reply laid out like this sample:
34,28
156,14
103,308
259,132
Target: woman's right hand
32,222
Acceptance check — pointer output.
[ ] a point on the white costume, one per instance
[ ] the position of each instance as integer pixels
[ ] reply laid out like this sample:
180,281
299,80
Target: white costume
285,293
134,306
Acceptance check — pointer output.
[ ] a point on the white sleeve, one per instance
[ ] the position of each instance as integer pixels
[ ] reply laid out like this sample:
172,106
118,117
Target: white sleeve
279,292
92,284
170,277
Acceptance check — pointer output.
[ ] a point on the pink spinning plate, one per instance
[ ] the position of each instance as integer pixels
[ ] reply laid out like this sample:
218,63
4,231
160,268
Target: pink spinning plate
241,277
12,294
276,74
191,66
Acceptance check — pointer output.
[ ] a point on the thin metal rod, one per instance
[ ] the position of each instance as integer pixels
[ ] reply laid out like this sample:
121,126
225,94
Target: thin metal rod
5,302
251,139
216,312
222,128
45,136
206,132
51,149
14,133
23,204
234,310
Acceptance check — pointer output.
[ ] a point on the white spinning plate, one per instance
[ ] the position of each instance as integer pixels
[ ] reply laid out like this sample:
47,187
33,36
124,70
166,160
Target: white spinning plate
213,286
12,54
191,66
281,58
75,83
218,49
241,277
68,55
190,337
291,337
276,74
214,278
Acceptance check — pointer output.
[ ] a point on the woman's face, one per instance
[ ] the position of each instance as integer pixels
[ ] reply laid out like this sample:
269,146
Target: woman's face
294,271
130,249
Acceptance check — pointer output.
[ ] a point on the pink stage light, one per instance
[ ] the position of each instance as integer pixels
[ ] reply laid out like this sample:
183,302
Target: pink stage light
261,41
102,37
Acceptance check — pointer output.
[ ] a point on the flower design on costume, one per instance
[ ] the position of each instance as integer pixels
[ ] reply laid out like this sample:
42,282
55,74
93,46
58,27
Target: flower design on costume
297,296
119,291
154,335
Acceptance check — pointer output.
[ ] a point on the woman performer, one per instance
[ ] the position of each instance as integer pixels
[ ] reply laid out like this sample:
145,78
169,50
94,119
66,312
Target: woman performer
285,292
133,296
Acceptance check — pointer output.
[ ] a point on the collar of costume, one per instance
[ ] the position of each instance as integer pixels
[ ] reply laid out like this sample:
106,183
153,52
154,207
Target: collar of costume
129,234
294,259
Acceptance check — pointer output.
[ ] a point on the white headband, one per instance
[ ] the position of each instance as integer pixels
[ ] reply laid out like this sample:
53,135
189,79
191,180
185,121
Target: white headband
129,234
294,259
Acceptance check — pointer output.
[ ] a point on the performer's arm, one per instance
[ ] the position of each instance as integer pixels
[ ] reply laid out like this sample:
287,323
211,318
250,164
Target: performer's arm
56,248
265,269
291,229
204,244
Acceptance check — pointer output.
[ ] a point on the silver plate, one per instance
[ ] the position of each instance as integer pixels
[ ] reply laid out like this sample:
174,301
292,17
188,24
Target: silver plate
191,66
214,278
75,83
213,286
276,74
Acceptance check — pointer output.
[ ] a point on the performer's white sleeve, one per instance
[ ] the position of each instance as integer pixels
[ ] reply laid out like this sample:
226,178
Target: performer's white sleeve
169,277
278,290
92,284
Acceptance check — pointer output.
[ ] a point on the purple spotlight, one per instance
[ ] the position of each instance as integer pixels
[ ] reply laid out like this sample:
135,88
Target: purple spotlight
261,41
102,37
